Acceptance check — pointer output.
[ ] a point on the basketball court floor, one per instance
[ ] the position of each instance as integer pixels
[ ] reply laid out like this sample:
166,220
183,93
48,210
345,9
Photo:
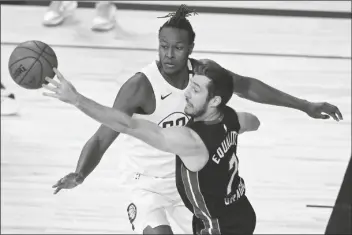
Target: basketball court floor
292,161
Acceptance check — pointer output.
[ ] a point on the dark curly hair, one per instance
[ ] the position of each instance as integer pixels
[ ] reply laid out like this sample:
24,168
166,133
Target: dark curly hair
178,20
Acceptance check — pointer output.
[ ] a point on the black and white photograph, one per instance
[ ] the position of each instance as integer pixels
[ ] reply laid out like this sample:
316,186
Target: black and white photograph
176,117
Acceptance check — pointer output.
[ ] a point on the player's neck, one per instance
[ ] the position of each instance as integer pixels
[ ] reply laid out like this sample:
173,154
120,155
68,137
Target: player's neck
211,117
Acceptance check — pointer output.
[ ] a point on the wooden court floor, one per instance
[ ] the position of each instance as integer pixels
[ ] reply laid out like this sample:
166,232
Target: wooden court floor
290,162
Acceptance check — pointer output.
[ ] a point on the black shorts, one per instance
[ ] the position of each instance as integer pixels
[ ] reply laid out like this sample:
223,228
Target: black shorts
241,220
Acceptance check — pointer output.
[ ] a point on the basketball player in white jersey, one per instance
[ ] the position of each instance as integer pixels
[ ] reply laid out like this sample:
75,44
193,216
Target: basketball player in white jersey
157,92
207,146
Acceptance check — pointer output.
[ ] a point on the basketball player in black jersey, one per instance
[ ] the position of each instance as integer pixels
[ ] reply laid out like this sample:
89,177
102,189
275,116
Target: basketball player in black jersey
176,43
207,165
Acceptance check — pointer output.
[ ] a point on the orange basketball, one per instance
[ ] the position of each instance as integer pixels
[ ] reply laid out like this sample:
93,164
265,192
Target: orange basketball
30,62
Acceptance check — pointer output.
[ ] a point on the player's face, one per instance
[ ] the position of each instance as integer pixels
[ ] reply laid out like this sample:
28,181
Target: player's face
196,96
174,49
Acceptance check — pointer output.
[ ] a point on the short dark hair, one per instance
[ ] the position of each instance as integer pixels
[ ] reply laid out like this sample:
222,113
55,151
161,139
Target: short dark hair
221,83
178,20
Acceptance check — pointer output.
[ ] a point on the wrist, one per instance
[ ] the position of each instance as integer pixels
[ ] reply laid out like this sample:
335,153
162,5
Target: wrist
77,100
304,106
79,177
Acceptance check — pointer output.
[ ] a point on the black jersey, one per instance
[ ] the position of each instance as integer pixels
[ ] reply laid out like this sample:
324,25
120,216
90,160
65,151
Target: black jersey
210,192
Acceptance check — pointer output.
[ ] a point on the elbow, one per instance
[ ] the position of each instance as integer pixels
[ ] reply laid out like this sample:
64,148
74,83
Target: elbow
256,123
121,128
248,122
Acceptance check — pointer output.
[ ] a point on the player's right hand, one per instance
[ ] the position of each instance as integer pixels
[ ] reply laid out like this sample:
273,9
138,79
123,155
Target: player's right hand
69,181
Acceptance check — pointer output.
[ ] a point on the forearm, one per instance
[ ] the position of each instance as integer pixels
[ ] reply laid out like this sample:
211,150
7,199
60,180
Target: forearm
255,90
107,116
93,150
90,157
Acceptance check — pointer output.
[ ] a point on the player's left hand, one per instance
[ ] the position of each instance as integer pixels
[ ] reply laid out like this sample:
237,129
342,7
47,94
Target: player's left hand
63,90
323,110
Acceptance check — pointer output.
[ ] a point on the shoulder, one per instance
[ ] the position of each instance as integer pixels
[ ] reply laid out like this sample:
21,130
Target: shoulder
138,79
203,62
230,111
200,64
232,117
135,94
138,82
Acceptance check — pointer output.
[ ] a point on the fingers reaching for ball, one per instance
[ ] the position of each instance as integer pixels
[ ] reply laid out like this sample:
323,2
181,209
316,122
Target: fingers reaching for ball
62,89
59,75
52,81
55,85
53,88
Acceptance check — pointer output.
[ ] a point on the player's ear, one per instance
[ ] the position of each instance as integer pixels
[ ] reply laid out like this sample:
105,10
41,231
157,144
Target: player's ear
190,50
215,101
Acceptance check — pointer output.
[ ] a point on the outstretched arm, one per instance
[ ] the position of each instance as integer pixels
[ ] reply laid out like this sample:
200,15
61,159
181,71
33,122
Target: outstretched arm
181,141
178,140
257,91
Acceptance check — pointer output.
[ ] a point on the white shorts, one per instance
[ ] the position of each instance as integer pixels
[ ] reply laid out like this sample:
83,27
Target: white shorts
154,202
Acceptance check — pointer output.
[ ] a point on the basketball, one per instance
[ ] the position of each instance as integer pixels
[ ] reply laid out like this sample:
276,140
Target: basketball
30,62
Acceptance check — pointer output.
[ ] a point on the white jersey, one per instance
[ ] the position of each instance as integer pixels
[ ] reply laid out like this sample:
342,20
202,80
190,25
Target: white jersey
169,111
